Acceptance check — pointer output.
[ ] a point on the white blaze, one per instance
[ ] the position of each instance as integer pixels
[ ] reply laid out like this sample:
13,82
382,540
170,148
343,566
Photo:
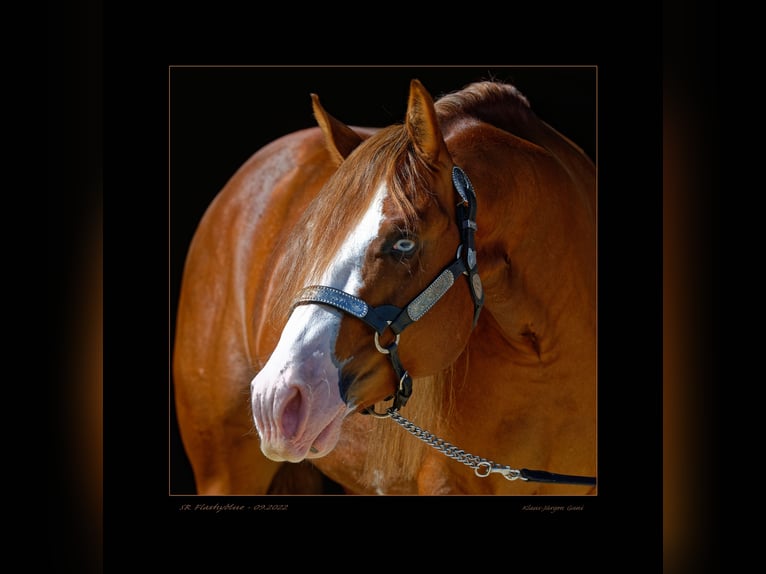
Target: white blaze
345,272
304,360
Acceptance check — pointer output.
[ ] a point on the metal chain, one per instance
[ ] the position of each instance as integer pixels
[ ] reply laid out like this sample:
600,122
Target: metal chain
481,466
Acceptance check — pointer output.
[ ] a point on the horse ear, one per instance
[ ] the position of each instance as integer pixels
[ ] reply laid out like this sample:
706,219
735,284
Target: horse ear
341,140
422,124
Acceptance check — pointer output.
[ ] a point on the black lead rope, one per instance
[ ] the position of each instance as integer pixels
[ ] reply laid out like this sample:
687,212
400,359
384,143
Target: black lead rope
543,476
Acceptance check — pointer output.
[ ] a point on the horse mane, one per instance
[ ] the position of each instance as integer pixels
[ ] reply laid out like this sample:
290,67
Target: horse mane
504,106
493,102
430,407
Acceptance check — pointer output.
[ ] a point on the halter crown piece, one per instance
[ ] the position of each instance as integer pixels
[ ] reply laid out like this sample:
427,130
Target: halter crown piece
397,319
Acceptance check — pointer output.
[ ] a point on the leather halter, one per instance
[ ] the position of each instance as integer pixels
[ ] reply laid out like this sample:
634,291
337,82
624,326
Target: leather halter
397,319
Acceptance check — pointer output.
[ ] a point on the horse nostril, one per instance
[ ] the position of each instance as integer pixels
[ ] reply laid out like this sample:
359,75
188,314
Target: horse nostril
291,413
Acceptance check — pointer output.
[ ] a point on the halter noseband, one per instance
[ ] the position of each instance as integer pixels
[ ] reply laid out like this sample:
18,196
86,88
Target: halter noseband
397,319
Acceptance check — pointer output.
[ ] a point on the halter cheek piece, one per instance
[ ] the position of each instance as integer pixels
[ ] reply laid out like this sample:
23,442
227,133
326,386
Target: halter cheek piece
397,319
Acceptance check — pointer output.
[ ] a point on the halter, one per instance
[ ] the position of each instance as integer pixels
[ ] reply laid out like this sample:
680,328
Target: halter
397,319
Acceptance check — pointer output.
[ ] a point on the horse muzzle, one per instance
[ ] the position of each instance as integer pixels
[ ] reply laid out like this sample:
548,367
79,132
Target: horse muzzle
297,410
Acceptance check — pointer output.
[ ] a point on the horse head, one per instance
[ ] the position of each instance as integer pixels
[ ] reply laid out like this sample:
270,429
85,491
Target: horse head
371,290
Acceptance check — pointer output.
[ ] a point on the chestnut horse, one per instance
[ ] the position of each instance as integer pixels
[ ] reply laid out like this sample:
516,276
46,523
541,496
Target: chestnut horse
446,264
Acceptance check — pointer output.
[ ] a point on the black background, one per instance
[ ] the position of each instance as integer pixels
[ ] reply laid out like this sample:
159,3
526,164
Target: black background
219,116
107,104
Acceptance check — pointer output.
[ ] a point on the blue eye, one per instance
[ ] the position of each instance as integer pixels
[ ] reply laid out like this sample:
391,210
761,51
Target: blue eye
405,246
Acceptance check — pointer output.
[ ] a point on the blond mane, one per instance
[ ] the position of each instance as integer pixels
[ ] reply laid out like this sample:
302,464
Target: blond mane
395,453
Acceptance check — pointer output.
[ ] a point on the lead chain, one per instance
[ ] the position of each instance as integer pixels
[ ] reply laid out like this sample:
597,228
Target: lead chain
481,466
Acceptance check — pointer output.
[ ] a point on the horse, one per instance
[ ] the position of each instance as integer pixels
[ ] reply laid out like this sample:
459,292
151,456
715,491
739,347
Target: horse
407,310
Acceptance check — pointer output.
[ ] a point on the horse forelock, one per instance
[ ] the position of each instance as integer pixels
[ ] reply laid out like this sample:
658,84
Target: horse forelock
385,158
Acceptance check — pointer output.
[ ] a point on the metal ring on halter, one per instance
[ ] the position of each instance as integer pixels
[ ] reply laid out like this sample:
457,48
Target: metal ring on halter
389,411
383,349
377,415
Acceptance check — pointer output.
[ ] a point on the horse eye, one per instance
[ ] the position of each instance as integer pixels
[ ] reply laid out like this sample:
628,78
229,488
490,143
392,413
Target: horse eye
404,245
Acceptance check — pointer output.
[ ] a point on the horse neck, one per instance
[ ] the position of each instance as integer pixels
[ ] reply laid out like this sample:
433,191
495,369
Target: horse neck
536,242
